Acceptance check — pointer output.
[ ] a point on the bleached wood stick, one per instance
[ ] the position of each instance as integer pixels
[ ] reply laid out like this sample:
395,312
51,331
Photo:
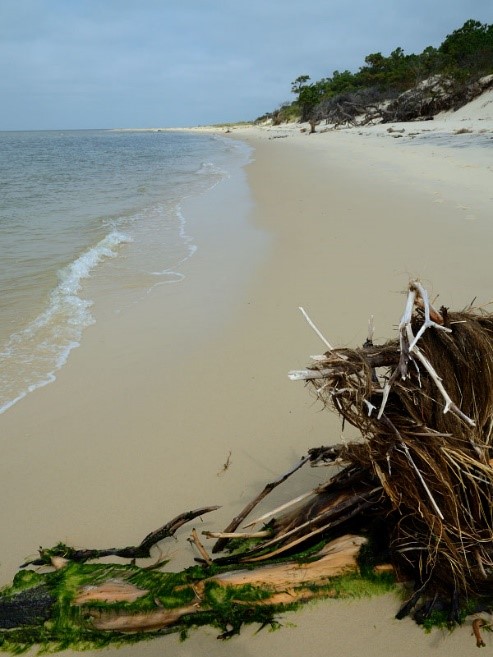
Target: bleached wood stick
307,375
406,451
371,330
261,534
283,507
414,349
409,348
449,404
386,392
237,520
428,322
435,315
202,551
317,331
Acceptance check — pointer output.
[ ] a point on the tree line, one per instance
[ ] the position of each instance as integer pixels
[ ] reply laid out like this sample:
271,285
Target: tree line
464,56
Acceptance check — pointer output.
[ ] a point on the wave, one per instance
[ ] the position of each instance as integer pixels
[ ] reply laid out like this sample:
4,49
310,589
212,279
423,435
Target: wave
37,351
211,169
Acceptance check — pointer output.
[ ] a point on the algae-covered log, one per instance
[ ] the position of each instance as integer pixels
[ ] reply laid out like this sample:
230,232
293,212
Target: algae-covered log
93,605
413,495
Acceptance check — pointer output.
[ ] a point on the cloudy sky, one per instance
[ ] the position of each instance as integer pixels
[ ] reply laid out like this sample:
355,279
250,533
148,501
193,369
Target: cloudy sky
141,63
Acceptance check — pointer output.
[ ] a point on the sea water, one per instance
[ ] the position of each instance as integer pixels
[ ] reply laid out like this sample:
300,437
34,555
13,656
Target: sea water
71,202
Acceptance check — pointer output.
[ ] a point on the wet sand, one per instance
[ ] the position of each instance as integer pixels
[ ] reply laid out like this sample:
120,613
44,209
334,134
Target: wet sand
139,423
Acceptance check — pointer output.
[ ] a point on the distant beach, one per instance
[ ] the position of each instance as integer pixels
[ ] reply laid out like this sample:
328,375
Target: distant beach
139,422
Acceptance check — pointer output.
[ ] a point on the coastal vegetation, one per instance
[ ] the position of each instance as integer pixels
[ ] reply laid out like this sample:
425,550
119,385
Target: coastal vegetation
454,69
408,506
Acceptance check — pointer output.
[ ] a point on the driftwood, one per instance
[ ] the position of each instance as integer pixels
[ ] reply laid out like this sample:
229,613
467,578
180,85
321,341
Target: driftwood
434,95
422,102
359,107
79,605
141,551
411,501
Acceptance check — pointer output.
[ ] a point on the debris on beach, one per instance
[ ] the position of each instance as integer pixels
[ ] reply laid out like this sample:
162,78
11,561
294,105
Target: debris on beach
422,102
408,505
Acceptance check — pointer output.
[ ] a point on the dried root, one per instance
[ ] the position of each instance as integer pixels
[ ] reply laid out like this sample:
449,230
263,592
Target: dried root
424,407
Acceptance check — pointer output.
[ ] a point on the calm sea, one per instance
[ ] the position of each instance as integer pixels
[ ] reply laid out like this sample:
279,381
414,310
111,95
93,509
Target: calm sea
71,201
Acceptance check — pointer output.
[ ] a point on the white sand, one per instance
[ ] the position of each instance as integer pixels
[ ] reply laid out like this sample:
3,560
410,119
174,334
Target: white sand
139,422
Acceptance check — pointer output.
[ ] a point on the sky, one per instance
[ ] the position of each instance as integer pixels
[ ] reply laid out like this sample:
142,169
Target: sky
78,64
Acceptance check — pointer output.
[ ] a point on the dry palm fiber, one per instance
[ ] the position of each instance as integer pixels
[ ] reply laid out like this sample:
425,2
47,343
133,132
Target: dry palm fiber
424,406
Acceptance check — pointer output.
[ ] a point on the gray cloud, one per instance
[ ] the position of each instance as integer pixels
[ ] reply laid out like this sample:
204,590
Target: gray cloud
87,63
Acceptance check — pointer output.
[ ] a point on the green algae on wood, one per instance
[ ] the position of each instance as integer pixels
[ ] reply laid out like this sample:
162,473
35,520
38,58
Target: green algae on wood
164,602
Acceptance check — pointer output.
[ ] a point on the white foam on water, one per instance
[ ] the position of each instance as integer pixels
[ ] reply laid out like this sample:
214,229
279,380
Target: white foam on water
169,274
36,352
186,239
216,175
209,168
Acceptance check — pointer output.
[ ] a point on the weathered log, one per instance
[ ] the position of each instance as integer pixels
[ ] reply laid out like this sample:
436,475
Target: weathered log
97,603
276,585
30,607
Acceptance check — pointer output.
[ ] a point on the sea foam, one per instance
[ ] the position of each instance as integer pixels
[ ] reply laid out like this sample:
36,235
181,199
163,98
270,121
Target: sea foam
42,347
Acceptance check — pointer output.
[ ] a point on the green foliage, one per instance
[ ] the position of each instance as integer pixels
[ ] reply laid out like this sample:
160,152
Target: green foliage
342,82
287,113
309,95
397,71
298,85
465,54
470,48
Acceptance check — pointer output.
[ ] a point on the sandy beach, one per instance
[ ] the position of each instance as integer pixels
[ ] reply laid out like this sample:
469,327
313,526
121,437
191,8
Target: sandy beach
139,423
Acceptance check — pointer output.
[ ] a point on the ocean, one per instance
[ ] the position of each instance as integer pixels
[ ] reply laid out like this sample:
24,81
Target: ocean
73,203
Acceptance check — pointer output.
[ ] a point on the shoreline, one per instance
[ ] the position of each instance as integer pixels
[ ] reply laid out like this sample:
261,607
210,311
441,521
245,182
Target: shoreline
138,424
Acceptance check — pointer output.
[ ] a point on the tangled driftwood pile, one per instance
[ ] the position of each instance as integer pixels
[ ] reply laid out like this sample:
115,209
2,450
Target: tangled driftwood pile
422,102
426,420
414,497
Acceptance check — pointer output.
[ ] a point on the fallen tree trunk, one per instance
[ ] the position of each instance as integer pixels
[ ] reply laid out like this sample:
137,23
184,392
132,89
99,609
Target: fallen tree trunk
259,591
412,500
79,605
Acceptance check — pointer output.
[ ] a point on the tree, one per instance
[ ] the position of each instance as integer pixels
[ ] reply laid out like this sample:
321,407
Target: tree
469,47
298,84
342,82
309,95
